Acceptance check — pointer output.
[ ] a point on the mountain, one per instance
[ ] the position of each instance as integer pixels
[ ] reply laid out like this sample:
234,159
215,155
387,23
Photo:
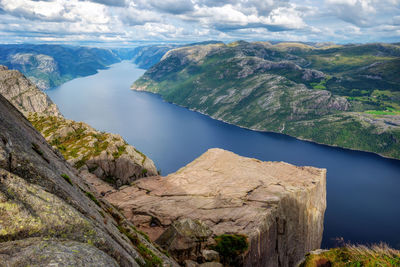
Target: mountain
51,65
347,96
149,55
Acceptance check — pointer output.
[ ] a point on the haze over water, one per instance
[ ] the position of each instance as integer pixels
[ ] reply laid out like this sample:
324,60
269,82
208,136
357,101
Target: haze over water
362,188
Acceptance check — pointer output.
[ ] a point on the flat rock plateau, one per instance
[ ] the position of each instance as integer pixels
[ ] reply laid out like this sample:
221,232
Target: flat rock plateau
278,206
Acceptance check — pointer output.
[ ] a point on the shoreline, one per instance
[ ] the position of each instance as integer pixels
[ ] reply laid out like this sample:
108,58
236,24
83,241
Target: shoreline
261,131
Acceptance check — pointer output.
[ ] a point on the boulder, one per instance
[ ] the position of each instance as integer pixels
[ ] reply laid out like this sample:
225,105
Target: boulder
211,264
184,239
210,255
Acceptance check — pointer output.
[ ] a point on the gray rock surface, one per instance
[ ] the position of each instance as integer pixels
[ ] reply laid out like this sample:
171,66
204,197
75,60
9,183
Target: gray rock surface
24,95
114,160
41,195
278,206
105,155
54,252
210,255
185,239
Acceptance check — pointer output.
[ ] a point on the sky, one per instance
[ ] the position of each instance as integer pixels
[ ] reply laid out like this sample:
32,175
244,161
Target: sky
126,22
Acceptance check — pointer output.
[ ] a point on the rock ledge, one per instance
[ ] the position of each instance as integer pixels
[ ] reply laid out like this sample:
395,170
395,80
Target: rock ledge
278,206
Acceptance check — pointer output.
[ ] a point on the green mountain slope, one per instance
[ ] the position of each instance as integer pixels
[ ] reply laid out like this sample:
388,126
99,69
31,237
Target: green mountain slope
345,96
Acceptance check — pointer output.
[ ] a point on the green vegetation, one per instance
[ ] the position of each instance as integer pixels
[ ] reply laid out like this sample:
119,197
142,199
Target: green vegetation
80,141
150,258
322,84
230,246
93,198
63,63
141,154
66,178
357,256
383,112
263,87
121,150
37,149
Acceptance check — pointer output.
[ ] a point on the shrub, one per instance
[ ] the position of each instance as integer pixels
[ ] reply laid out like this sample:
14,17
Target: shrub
66,178
230,246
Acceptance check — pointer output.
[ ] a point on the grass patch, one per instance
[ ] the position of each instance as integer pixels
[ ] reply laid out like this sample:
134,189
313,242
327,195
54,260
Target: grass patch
66,178
37,149
150,258
93,198
230,246
376,255
80,163
388,111
121,150
141,154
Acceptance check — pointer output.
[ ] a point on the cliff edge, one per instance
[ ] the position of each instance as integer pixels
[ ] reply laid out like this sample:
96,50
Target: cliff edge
278,207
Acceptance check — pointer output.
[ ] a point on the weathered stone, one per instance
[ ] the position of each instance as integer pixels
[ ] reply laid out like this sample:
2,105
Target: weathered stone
24,95
41,195
105,155
211,264
210,255
185,239
54,252
190,263
278,206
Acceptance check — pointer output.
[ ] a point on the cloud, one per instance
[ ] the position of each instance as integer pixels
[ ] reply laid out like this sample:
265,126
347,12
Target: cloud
362,13
126,21
119,3
172,6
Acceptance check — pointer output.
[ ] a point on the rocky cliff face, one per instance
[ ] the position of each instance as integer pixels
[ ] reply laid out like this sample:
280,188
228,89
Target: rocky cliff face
277,206
48,66
104,155
23,94
288,87
48,214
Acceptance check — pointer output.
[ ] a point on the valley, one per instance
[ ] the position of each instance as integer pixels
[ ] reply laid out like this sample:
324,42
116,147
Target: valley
361,187
346,96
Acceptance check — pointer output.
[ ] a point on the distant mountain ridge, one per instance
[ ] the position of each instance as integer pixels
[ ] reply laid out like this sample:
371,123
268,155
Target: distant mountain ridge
51,65
340,95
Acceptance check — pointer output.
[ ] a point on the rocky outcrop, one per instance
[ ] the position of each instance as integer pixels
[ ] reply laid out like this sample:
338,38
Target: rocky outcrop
104,155
185,239
23,94
277,206
48,214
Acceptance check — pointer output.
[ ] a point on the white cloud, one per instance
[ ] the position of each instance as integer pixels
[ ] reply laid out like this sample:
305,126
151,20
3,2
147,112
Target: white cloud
129,20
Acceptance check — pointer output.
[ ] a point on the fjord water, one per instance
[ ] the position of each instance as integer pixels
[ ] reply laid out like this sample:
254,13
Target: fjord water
362,188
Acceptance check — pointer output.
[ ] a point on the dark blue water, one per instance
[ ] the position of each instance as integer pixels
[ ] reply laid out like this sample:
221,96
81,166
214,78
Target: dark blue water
363,189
